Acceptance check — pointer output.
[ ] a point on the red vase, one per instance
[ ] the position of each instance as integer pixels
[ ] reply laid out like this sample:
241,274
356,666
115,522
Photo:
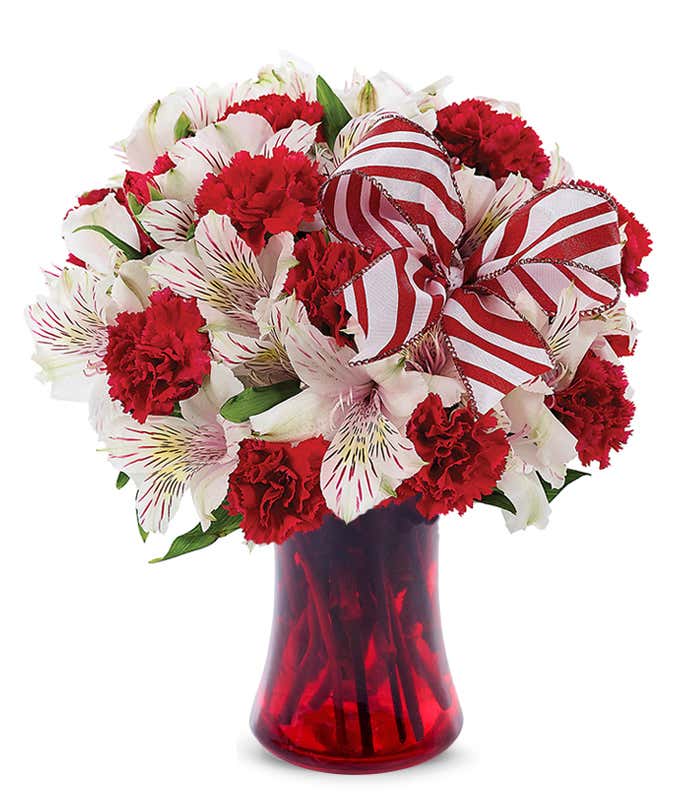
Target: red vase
356,678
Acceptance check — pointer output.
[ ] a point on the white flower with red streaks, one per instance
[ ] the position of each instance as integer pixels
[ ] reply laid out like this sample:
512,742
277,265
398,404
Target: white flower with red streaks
156,129
167,221
235,290
361,410
125,279
168,454
69,328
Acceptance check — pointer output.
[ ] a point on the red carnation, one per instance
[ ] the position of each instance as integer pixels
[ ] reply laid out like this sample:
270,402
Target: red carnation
162,164
94,196
638,246
323,267
276,489
465,455
157,357
494,144
595,409
140,184
280,110
263,194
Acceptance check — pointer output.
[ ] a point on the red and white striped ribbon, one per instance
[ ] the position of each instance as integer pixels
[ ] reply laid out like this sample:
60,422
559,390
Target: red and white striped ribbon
395,197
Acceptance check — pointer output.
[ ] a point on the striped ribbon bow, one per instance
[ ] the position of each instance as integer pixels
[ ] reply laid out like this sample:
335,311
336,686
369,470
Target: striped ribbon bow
395,196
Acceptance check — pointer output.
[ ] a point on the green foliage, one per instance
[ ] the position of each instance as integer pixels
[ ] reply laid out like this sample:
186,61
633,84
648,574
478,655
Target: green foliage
571,476
182,127
498,499
122,480
258,399
335,114
128,250
197,539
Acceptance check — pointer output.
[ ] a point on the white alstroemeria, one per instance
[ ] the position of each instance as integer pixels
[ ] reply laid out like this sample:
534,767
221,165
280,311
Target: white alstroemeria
432,358
69,330
487,206
293,77
234,289
213,147
502,105
156,129
537,437
383,91
523,488
560,169
126,279
91,246
168,454
361,410
570,336
167,221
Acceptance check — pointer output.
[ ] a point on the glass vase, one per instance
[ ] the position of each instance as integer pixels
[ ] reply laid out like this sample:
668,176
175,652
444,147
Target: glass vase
356,678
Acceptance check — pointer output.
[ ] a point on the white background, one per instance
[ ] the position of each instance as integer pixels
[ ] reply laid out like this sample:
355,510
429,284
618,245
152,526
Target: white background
117,676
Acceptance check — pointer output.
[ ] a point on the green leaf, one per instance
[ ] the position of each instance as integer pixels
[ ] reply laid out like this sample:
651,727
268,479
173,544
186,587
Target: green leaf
128,250
182,127
258,399
196,538
143,534
134,204
571,476
498,499
335,114
122,480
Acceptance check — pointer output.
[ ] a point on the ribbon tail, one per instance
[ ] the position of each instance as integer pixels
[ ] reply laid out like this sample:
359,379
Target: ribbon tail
495,349
394,300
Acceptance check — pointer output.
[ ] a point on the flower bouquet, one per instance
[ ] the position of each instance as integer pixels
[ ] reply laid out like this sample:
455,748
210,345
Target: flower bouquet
332,317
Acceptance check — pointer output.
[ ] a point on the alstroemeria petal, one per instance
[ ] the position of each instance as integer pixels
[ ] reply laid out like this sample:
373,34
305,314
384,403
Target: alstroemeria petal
91,246
167,222
538,438
69,327
185,272
366,461
319,361
299,137
306,415
230,260
216,389
258,361
154,131
163,455
526,493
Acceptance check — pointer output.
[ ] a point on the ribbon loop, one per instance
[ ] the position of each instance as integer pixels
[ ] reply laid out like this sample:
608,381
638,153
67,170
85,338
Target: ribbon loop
396,189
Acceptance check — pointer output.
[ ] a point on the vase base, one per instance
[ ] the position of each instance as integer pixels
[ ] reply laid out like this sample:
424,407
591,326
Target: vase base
358,765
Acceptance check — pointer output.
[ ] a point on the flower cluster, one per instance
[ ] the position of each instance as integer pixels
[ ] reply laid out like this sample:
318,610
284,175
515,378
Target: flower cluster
203,311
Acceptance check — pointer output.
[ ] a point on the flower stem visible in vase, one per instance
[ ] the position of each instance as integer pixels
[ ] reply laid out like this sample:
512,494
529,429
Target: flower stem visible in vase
356,678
